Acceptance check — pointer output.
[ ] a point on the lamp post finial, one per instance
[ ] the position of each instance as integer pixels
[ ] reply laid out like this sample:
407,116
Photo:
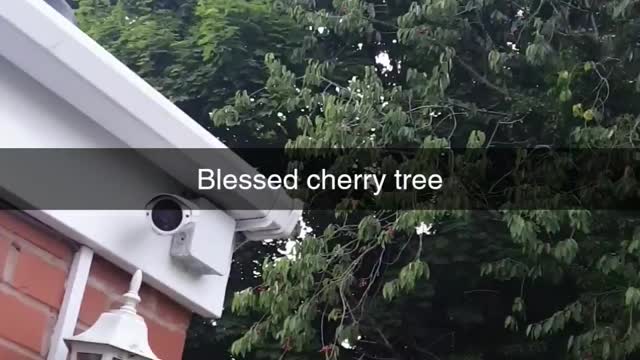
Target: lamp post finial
132,298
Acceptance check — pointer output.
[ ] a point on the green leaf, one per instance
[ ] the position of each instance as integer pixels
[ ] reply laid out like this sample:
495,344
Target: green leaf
589,65
632,297
588,115
368,228
565,95
389,290
577,110
494,59
570,342
476,139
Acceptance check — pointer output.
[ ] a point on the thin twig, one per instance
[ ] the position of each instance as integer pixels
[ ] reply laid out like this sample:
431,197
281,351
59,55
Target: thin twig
481,78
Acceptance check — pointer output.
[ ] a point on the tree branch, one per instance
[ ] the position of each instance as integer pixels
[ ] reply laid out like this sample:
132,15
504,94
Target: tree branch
481,78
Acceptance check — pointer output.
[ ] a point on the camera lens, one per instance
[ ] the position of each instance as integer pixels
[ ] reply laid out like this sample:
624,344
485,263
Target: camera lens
166,215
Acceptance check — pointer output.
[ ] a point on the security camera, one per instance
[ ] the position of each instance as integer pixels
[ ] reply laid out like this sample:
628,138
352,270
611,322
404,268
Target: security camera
201,235
169,213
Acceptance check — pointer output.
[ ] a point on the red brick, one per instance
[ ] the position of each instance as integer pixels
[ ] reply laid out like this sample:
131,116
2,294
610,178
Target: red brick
94,303
160,307
149,298
10,352
170,311
22,323
36,233
39,279
166,344
109,276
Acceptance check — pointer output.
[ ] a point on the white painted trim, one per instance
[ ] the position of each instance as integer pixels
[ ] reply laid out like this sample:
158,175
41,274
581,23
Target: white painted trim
70,309
50,49
89,75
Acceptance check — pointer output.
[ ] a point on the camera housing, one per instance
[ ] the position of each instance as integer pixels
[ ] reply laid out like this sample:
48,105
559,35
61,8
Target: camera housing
201,235
168,213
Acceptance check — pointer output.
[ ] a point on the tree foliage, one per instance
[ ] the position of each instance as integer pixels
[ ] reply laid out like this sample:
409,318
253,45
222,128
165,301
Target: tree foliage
198,53
475,74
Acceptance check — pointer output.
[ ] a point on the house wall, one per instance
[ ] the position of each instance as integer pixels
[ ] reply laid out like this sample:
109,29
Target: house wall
34,263
31,116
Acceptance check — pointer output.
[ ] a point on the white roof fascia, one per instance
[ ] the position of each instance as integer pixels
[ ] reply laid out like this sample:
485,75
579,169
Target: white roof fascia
49,48
45,37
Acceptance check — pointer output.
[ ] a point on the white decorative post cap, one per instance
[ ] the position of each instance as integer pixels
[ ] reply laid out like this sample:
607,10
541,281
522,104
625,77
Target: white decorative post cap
123,328
131,298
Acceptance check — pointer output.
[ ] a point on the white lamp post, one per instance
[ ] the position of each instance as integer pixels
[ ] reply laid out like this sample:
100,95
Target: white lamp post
117,335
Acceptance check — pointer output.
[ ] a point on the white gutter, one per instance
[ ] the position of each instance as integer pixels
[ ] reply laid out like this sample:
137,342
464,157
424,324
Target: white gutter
60,56
45,45
70,309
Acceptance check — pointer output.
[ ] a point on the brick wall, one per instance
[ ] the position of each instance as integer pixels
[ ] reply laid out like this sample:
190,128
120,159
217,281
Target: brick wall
34,262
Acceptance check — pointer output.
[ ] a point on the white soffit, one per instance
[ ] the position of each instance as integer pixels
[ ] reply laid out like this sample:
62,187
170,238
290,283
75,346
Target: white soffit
60,56
49,48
